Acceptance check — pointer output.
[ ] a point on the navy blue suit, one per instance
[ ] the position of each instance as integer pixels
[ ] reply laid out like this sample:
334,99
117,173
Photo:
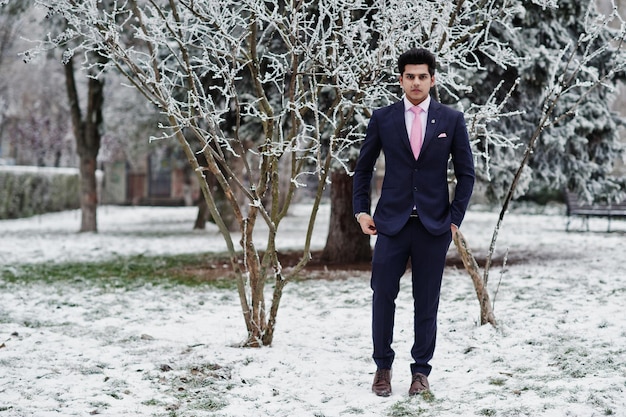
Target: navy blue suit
421,184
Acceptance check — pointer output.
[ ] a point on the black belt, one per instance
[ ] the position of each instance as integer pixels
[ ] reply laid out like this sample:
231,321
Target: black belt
414,214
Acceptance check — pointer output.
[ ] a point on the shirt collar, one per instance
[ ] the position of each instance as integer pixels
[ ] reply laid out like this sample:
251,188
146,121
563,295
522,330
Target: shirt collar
424,104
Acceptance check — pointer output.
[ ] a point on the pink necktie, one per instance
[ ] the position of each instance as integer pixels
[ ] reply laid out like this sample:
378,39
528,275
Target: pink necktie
416,131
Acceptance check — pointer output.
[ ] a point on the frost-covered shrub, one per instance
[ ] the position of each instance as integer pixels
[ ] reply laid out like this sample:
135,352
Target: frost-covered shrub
26,191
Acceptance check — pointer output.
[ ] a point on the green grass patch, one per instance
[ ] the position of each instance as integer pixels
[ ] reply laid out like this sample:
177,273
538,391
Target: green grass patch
405,409
422,404
127,272
497,381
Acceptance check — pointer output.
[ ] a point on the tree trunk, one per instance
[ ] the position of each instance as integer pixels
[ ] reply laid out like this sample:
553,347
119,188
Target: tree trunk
221,202
486,310
345,242
87,135
88,195
203,215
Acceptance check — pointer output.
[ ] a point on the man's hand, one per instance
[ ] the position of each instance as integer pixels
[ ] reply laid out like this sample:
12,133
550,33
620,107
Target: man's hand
367,224
454,228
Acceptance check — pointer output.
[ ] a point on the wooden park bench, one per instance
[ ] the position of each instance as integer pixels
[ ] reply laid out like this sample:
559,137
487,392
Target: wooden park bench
577,208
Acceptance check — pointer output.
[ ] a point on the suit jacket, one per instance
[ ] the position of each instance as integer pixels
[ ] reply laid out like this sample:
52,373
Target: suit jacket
408,183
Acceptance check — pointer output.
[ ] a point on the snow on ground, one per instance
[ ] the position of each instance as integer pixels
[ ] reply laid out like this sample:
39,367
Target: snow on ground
78,348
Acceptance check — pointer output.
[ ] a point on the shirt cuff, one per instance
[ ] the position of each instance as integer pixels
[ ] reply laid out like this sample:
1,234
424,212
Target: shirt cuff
358,215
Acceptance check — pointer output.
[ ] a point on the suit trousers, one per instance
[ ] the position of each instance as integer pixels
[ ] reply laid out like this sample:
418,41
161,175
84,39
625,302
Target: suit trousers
391,255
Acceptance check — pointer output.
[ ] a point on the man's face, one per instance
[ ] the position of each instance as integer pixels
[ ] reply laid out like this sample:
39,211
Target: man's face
416,82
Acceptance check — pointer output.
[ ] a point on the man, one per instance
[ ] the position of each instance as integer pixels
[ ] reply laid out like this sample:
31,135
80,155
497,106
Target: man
414,218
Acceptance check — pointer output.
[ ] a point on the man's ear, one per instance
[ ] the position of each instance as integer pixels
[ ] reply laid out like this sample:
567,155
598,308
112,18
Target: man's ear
432,81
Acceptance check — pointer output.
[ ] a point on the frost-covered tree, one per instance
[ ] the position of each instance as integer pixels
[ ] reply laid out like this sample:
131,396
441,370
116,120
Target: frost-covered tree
586,68
87,122
33,129
259,86
579,145
40,120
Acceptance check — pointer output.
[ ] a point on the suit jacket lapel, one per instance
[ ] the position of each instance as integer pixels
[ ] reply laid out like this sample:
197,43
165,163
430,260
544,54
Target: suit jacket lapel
431,123
400,124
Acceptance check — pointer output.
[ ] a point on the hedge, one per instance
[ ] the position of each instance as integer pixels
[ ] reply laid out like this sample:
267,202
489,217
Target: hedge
26,191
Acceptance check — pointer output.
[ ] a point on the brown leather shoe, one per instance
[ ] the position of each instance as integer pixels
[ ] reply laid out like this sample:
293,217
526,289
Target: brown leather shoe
382,383
419,384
